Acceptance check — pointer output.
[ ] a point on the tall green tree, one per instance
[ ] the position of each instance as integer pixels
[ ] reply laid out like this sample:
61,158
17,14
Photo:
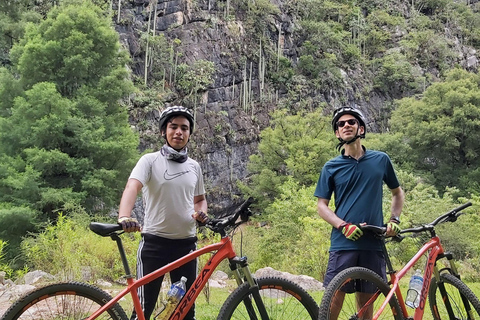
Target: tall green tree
65,140
13,17
442,130
296,146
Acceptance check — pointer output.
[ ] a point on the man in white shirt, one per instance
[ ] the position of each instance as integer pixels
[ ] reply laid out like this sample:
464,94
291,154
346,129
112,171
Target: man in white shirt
174,198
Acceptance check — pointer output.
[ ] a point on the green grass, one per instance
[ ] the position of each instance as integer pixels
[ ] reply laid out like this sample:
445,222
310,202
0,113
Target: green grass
209,309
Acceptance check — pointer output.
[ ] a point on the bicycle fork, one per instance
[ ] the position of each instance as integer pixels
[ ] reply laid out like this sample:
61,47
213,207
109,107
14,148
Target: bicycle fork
236,264
441,286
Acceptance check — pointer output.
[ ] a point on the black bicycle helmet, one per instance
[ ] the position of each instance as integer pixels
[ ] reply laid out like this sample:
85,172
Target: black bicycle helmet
354,112
349,110
175,111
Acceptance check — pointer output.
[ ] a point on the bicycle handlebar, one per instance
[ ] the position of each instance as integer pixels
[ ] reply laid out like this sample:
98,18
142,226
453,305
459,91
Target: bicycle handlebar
219,225
450,216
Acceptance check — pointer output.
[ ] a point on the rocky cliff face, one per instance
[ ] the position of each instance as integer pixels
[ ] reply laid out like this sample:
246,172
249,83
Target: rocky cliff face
231,112
227,133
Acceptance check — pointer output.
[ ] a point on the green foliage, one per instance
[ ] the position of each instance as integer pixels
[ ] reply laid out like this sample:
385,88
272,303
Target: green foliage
295,146
15,222
74,47
70,251
464,21
282,76
67,132
13,16
159,53
320,69
9,90
295,239
3,262
393,73
196,77
428,48
65,140
378,32
441,130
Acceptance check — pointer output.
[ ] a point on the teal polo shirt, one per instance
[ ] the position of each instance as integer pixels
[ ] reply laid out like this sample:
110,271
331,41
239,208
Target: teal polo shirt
357,186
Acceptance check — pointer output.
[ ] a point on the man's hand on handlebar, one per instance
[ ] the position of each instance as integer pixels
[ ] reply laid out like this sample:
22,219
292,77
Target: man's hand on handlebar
201,217
392,229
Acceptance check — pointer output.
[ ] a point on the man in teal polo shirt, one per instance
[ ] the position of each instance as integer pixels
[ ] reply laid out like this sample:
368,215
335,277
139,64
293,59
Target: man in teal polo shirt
356,179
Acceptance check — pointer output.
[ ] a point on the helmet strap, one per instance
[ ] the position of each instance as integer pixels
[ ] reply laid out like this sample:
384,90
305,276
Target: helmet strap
342,142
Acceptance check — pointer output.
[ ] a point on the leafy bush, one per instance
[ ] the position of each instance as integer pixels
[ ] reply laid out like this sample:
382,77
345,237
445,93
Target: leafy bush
441,131
296,146
393,73
71,251
4,266
293,239
15,222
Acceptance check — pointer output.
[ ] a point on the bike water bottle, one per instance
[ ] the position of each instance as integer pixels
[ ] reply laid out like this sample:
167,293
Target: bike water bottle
174,295
414,290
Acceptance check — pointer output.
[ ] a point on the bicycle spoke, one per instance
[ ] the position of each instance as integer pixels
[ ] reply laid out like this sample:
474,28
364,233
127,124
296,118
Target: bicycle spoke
452,299
283,300
357,293
66,301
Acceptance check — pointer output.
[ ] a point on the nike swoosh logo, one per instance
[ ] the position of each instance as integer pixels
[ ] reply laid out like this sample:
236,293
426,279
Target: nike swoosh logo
169,176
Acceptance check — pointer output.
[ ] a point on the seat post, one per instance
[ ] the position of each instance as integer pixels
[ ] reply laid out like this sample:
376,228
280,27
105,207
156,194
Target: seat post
123,256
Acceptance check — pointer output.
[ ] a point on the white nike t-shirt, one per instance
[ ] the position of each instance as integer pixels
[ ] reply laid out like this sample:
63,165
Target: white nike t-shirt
168,191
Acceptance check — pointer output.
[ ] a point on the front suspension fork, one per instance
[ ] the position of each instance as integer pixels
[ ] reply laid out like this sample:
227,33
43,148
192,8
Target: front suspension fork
242,262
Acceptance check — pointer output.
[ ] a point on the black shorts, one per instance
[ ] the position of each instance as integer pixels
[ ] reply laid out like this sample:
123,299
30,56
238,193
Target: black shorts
343,259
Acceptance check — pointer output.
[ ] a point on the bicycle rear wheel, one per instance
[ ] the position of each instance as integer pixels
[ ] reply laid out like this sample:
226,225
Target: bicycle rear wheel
464,304
363,292
72,300
283,300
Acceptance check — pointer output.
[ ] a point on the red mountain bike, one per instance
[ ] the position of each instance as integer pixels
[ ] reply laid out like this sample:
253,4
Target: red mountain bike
359,293
254,298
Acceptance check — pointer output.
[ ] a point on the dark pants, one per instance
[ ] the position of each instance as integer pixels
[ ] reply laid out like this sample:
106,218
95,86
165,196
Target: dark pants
155,252
343,259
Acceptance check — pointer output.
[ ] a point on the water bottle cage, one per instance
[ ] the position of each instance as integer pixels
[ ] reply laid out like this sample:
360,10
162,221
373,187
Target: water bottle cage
416,294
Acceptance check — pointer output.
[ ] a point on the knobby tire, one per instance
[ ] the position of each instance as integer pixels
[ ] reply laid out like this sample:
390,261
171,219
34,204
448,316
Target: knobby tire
357,278
455,288
66,301
283,300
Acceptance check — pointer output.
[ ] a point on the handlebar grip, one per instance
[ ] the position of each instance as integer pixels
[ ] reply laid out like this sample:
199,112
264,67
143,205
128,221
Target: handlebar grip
463,206
244,207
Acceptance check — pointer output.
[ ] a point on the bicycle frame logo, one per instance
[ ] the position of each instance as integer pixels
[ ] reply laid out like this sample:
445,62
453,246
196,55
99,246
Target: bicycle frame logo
426,284
191,293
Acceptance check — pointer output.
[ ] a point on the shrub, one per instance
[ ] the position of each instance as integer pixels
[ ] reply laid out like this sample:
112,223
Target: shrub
72,252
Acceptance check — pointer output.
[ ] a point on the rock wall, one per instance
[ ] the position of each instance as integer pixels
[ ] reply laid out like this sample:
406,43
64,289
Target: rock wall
227,133
228,128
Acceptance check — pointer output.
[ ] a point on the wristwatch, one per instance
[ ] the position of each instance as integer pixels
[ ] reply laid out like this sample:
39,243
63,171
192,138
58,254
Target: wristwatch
395,219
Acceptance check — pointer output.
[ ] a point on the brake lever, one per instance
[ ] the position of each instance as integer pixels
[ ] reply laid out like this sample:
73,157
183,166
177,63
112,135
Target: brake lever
397,238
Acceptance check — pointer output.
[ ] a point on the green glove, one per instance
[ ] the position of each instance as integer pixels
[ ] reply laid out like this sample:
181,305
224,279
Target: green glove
394,226
351,231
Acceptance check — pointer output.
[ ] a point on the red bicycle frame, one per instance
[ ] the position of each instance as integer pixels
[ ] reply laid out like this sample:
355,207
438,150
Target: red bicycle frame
436,249
224,250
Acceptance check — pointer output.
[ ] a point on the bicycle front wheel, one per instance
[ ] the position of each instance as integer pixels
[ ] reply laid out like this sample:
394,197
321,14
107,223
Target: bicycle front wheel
456,302
357,293
66,301
283,300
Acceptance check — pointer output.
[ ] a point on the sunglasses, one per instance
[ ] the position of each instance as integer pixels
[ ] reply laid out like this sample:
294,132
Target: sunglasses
342,123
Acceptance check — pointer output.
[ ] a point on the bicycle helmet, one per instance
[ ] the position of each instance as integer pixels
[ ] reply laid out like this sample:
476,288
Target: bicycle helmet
354,112
175,111
349,110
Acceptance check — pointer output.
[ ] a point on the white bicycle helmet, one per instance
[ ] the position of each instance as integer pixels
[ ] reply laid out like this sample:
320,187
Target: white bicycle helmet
175,111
